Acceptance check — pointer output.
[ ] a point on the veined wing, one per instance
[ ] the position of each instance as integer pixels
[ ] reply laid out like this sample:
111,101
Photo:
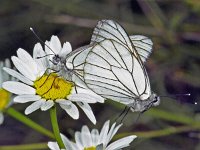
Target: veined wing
143,45
112,71
108,29
76,59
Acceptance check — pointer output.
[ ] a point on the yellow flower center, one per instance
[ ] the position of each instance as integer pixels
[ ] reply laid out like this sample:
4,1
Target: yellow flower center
4,98
53,87
90,148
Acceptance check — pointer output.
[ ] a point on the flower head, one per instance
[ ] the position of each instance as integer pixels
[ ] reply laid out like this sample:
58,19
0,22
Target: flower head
86,140
5,96
44,87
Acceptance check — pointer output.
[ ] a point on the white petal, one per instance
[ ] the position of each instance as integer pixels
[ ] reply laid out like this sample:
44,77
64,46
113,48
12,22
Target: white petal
23,68
107,139
40,57
18,88
47,49
104,132
55,44
7,63
86,136
95,136
89,92
1,118
25,57
68,144
78,140
34,106
47,105
4,75
26,98
71,109
81,97
66,49
88,111
53,146
112,132
1,73
74,146
63,101
121,143
18,76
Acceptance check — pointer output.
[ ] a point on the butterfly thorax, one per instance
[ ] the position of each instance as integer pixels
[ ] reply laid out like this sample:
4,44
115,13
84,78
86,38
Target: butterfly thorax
142,105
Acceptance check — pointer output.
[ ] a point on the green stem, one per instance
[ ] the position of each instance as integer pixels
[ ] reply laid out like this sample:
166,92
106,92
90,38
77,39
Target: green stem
36,146
27,121
55,127
157,133
166,115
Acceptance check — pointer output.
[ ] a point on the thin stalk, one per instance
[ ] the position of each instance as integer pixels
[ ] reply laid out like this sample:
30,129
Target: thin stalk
36,146
55,127
27,121
166,115
157,133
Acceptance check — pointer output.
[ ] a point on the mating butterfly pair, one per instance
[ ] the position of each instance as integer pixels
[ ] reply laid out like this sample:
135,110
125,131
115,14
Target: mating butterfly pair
112,66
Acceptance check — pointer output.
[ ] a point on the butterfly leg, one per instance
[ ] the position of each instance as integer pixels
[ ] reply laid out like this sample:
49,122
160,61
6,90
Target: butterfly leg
121,113
125,114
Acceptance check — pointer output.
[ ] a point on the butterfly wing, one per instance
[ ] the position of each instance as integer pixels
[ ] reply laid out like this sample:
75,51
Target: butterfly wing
143,46
113,72
109,29
76,59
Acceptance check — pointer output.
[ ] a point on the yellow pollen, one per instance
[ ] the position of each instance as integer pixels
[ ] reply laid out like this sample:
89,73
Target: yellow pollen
90,148
4,98
53,87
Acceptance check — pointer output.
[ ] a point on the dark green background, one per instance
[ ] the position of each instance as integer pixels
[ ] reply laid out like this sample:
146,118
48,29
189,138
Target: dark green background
173,67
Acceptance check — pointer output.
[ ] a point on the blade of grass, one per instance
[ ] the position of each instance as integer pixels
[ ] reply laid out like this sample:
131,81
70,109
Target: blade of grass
36,146
157,133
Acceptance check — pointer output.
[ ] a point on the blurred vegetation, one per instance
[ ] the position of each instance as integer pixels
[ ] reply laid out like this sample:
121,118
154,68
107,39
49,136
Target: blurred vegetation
173,67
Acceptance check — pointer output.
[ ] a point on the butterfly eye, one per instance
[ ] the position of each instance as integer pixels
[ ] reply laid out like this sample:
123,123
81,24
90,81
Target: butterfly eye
56,59
156,101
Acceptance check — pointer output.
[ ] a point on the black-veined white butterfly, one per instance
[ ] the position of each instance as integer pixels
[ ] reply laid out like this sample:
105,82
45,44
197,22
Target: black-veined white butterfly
113,66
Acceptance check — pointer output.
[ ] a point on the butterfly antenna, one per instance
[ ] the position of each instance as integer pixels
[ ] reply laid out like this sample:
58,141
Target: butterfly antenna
41,40
174,96
44,56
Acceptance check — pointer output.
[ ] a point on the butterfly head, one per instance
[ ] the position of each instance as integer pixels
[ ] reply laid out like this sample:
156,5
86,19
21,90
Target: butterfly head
143,105
155,99
56,59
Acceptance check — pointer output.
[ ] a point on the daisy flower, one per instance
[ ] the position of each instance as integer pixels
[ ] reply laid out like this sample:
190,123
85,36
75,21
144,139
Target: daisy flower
86,140
5,96
45,88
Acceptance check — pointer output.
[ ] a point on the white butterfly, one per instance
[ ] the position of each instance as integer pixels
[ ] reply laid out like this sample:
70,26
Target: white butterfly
112,66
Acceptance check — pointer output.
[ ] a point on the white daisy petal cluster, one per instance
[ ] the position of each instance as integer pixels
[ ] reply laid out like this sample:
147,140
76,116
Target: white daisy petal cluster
43,87
86,140
5,96
54,47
